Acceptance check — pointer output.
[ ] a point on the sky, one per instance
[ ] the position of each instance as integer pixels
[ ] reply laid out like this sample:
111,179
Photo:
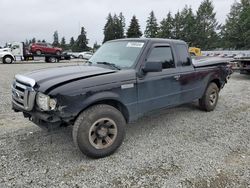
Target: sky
25,19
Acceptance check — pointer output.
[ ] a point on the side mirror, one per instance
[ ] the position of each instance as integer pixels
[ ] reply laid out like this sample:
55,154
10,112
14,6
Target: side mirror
151,66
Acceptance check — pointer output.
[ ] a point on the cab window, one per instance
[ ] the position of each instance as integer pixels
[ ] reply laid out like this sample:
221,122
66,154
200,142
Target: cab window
183,55
162,54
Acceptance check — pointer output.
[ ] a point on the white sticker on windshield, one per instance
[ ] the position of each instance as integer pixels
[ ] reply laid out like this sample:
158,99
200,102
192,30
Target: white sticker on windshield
135,44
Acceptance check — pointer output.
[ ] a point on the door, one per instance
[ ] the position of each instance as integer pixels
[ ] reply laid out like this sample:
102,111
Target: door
159,89
191,81
50,49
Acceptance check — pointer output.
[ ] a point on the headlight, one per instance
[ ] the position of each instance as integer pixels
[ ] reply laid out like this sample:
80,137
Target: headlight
45,103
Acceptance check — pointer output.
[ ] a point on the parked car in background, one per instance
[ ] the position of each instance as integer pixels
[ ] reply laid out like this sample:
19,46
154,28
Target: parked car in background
85,55
44,48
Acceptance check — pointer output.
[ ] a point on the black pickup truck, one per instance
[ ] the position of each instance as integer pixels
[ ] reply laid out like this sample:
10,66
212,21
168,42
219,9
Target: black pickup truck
124,80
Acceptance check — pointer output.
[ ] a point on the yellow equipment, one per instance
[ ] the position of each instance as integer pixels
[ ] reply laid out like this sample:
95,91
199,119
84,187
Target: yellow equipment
194,51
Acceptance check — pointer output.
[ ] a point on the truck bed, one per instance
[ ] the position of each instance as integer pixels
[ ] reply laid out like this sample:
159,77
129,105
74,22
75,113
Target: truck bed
210,61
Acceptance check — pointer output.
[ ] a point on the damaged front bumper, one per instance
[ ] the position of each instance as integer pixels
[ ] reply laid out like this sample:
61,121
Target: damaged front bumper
42,119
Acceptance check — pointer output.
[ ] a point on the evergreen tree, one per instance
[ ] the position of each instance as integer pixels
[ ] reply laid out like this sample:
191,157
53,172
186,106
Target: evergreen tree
117,28
114,27
134,29
245,23
96,46
166,27
33,40
122,24
206,26
55,39
152,26
63,43
82,41
188,26
177,26
109,29
72,41
235,32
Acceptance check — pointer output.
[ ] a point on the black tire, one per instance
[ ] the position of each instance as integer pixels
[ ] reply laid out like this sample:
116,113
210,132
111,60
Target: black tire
210,98
8,59
52,60
58,53
38,52
80,57
86,122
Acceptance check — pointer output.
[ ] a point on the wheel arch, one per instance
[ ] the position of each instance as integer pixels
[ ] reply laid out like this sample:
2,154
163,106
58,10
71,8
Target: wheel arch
8,55
108,98
217,82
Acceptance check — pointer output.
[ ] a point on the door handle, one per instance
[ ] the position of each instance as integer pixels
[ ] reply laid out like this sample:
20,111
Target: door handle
177,77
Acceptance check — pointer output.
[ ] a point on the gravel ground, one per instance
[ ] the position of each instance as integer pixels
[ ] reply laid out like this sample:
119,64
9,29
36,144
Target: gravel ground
178,147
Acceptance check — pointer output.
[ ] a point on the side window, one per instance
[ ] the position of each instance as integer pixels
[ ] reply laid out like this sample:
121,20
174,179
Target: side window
15,47
183,55
162,54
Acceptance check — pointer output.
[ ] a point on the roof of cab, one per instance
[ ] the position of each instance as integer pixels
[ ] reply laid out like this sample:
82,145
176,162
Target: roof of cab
154,40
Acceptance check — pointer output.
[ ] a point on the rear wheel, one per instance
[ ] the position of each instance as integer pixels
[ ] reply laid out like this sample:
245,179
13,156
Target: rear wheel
99,131
38,52
210,98
80,57
8,59
52,60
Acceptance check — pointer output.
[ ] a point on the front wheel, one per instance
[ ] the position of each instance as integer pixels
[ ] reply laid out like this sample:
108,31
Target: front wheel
58,53
8,59
210,98
99,131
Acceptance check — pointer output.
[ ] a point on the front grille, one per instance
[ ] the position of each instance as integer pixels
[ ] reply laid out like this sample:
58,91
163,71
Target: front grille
23,94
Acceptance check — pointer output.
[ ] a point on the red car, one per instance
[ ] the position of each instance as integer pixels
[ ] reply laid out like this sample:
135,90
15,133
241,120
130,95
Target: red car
44,48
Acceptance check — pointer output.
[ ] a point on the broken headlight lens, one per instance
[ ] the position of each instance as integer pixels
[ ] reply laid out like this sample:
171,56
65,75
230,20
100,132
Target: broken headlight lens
44,102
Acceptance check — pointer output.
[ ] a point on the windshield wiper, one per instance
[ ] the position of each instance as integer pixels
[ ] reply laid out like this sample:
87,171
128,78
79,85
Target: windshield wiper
109,64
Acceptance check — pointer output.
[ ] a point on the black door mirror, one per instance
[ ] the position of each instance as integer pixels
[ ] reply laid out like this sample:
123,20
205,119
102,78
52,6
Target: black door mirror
151,66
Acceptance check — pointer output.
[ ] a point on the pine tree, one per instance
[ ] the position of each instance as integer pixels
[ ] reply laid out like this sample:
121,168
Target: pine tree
245,23
82,41
134,29
188,26
72,41
151,30
33,40
206,26
108,29
96,46
63,43
177,26
122,24
114,27
235,32
55,39
117,28
166,27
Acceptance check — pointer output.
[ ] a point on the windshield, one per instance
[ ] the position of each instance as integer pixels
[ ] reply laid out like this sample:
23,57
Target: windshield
122,54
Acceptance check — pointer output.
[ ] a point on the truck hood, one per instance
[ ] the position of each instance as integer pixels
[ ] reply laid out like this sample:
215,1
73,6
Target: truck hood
5,50
54,77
